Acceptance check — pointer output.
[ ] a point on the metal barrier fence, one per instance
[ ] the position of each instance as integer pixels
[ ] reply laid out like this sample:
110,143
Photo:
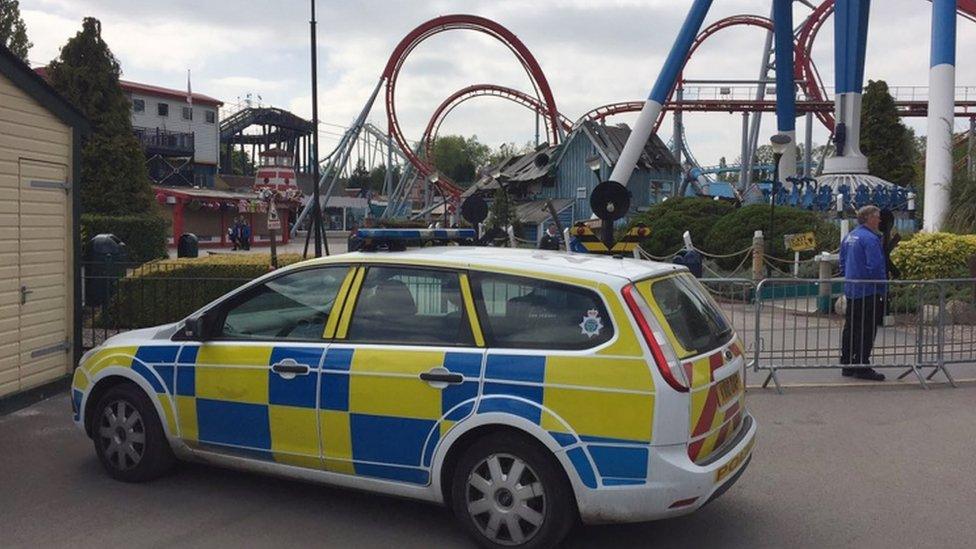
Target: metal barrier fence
912,325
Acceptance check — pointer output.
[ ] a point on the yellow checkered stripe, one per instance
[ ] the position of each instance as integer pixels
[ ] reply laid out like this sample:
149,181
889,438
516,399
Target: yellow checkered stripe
710,423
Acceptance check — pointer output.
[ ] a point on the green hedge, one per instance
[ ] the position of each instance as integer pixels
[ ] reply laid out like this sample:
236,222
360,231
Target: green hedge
670,219
169,290
735,231
934,255
144,236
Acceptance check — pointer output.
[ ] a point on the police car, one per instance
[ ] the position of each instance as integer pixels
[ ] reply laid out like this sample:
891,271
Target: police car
523,389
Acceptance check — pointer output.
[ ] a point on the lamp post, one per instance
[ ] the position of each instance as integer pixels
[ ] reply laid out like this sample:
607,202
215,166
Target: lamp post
780,143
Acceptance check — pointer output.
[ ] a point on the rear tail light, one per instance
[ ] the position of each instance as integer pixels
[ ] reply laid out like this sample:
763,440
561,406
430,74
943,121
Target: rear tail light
671,370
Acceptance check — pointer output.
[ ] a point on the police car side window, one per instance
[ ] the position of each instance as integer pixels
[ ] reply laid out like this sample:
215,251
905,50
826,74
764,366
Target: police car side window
526,313
399,305
295,306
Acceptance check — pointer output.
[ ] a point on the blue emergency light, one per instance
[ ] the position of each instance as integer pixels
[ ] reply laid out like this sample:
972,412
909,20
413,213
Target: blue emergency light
398,239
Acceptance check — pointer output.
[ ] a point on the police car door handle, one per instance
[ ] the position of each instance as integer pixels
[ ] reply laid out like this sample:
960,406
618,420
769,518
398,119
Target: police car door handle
288,368
441,375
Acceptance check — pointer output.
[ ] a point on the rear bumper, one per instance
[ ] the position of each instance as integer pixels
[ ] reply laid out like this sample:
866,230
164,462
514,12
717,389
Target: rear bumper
676,485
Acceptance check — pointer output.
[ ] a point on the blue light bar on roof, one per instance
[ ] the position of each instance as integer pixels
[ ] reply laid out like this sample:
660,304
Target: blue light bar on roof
416,234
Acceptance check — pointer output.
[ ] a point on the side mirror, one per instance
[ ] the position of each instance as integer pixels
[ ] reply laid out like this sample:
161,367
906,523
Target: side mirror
194,328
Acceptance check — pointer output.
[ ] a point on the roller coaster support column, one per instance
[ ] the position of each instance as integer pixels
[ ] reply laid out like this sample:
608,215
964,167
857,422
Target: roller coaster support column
785,88
659,94
942,82
850,43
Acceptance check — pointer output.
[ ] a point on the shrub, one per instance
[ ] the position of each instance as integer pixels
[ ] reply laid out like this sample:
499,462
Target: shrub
170,289
144,235
934,255
670,219
735,231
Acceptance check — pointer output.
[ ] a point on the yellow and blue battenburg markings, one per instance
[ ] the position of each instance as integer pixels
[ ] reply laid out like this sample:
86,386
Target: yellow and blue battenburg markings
364,411
625,245
601,407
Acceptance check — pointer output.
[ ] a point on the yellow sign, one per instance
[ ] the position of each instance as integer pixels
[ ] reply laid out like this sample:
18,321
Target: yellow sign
800,242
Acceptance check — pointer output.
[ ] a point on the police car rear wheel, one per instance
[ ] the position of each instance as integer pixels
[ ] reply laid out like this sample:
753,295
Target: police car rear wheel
128,436
509,492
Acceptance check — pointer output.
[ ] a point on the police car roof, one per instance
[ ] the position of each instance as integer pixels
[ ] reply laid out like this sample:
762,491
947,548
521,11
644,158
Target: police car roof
535,261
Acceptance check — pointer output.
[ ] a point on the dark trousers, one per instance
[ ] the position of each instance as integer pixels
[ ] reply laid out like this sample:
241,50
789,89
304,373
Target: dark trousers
860,326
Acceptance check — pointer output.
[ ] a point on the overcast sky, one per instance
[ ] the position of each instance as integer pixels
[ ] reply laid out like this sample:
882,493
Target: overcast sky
593,52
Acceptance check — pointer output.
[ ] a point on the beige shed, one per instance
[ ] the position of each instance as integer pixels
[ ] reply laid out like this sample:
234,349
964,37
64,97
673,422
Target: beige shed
40,152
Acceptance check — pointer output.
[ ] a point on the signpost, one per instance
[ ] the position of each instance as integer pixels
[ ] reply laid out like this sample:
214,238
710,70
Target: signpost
799,242
274,224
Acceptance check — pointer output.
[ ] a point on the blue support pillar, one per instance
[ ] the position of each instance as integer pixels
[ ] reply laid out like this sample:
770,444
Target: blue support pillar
785,85
659,94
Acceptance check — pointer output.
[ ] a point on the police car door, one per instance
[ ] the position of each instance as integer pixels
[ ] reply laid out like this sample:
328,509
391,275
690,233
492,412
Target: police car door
403,369
251,388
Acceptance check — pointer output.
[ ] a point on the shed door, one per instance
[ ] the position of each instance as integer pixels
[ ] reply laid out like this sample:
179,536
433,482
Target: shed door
42,293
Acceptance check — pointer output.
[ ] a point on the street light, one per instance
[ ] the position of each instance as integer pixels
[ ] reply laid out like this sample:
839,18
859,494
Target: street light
779,143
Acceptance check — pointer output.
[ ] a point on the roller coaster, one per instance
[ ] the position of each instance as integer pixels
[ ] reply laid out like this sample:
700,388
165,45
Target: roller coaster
686,96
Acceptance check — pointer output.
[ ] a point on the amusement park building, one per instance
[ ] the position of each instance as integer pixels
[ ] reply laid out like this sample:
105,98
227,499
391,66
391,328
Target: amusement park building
179,132
566,174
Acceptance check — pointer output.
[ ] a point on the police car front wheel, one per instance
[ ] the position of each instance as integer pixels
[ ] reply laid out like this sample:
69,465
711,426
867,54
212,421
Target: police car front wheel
128,436
510,492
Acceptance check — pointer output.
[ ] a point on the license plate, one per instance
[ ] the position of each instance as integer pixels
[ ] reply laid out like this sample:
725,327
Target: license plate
729,388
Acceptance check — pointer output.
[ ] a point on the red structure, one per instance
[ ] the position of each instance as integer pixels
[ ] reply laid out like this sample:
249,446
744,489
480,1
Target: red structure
461,22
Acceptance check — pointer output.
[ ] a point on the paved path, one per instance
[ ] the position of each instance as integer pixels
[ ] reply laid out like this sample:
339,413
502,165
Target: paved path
844,467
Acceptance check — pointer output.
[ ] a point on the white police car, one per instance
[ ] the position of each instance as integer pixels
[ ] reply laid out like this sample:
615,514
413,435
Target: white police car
524,389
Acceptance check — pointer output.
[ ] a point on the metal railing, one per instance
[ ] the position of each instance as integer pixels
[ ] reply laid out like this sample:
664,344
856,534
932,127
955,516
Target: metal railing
912,325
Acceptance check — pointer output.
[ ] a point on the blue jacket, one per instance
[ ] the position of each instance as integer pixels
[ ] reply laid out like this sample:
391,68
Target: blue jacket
862,258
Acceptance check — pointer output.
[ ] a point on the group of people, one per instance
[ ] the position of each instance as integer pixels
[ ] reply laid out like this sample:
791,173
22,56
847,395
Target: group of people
240,234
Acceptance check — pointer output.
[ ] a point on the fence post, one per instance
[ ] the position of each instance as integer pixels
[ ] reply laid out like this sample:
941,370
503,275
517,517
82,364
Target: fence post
758,243
824,289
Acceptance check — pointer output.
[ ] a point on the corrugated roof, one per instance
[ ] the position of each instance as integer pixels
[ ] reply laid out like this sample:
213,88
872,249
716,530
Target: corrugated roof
536,211
610,141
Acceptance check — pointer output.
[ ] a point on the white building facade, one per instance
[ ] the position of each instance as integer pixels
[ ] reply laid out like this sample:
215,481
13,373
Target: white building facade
181,138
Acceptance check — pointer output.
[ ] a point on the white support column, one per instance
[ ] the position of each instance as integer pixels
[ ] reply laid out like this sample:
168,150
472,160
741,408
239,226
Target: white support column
942,82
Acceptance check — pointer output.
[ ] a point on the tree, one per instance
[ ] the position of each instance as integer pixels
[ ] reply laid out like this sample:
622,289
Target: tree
377,178
115,181
240,161
13,32
459,158
501,214
507,150
359,179
889,145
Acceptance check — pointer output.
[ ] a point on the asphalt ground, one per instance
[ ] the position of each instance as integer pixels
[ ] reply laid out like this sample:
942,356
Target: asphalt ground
834,467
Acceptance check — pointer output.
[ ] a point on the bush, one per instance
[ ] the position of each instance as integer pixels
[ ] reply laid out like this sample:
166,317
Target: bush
934,255
735,231
170,289
144,235
670,219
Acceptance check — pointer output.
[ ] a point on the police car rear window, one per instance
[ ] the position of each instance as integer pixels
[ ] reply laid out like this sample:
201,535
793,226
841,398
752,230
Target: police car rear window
527,313
693,318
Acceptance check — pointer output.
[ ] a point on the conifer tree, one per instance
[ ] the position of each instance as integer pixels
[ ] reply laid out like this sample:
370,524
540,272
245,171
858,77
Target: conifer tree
888,144
13,32
115,180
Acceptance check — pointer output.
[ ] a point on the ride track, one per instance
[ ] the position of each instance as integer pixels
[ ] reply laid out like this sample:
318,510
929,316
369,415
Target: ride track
544,103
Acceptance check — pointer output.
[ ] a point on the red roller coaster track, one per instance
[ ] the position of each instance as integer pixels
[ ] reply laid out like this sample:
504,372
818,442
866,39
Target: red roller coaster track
461,22
544,103
486,90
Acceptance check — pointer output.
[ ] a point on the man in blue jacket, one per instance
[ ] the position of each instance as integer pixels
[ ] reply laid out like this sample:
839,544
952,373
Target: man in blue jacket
862,258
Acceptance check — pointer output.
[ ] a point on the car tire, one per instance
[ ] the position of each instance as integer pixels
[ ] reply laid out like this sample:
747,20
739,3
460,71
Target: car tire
128,436
535,508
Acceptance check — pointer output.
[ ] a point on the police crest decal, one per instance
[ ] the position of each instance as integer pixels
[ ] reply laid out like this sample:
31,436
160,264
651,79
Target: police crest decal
591,324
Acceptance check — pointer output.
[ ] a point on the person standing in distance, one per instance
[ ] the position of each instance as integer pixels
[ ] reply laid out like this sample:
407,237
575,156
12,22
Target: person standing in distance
862,258
550,240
